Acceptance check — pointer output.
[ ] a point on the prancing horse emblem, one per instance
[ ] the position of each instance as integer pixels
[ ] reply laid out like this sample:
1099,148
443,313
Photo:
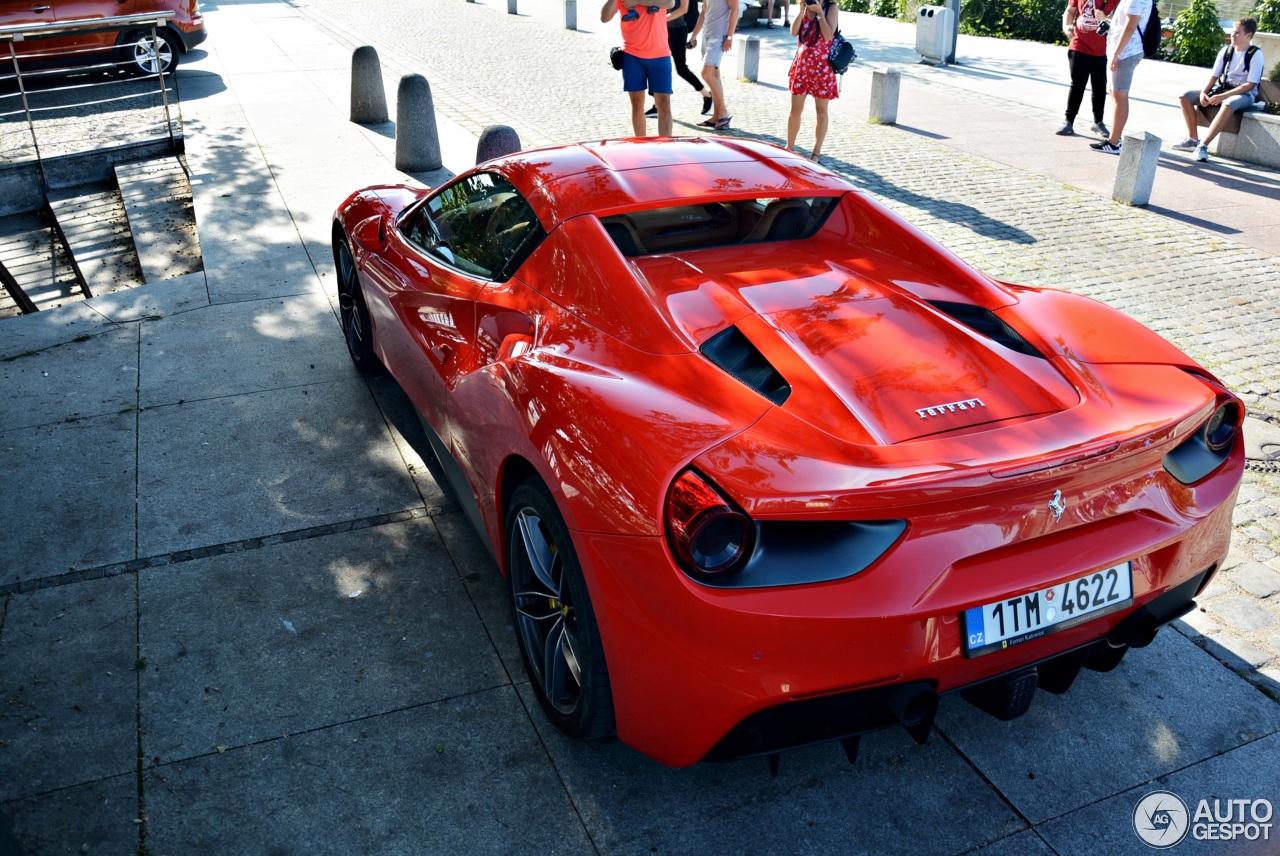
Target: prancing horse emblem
1057,505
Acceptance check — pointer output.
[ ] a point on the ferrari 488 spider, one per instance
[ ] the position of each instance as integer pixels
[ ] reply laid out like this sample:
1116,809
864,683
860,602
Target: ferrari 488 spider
765,466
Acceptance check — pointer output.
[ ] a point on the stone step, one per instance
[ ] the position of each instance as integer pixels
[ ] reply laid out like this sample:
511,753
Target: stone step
157,201
31,252
92,218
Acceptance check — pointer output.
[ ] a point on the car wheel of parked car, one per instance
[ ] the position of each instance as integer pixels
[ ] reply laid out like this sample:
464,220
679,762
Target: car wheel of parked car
352,309
143,54
555,625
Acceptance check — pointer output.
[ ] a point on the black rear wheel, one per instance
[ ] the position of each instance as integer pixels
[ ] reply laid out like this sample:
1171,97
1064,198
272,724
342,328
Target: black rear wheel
554,621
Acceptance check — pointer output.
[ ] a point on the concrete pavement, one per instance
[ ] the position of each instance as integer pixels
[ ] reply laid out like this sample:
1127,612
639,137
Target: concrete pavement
240,615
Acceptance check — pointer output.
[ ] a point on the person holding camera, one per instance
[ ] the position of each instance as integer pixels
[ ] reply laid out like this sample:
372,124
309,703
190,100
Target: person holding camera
811,73
717,23
1086,61
679,20
646,58
1124,47
1232,87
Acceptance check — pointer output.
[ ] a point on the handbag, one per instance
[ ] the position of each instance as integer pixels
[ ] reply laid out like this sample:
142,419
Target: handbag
841,53
615,57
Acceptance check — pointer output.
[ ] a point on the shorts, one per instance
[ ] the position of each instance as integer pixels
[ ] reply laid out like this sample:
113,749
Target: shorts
1122,77
1237,103
637,71
713,50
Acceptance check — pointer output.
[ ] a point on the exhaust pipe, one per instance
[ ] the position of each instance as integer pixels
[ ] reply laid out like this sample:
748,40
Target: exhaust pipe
915,709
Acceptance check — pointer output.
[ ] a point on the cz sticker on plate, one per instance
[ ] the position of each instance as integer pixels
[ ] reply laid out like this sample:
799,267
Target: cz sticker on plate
1006,623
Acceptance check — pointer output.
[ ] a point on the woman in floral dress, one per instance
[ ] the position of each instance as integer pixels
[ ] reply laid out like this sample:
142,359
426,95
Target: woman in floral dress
811,74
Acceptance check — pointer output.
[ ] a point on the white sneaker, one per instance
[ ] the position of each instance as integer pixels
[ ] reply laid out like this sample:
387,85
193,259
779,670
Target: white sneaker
1189,144
1202,152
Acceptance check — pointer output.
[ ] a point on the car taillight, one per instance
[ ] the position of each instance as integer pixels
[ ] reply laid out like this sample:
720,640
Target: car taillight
709,537
1221,429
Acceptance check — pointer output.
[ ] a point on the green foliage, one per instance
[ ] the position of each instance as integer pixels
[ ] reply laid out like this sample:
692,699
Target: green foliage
889,8
1032,20
1275,72
1196,37
863,6
1268,14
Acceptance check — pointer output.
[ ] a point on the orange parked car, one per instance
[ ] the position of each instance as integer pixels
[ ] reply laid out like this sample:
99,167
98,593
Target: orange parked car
132,49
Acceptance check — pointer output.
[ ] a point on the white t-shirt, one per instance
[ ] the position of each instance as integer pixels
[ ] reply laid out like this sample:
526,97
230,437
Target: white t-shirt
1141,8
1235,74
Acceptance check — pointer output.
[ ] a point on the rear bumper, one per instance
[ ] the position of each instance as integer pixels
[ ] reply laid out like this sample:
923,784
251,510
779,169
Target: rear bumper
1006,696
191,38
703,674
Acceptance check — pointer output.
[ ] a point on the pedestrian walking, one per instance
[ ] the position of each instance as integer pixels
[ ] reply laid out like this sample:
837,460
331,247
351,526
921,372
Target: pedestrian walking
716,24
811,72
646,58
1086,61
1123,30
679,21
1232,87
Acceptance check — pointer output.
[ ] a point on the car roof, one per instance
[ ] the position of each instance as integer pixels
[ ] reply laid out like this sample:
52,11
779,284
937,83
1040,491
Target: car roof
613,176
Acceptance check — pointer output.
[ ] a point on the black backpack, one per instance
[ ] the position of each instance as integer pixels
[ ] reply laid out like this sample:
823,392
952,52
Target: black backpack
1151,32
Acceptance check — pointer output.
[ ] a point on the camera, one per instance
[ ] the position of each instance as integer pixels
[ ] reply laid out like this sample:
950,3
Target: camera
1104,27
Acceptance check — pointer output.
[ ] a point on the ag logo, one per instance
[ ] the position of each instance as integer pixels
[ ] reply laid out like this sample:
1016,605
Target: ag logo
1160,819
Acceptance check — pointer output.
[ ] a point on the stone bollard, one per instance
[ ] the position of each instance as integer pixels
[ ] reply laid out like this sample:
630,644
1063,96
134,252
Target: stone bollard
368,98
417,140
511,7
884,96
571,14
1136,173
496,141
749,58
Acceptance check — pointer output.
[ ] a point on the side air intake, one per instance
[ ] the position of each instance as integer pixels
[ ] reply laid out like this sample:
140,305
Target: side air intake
987,323
732,351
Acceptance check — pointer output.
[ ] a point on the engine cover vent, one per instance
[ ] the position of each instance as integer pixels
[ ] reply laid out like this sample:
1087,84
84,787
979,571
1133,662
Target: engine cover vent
987,323
732,351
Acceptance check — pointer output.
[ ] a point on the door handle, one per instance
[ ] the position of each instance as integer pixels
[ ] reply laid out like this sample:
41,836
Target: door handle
442,353
41,8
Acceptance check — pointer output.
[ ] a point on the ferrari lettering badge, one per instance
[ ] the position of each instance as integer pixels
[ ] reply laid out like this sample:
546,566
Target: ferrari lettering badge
940,409
1057,505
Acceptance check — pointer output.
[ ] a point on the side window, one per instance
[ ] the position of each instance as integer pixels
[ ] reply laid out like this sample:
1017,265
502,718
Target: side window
480,225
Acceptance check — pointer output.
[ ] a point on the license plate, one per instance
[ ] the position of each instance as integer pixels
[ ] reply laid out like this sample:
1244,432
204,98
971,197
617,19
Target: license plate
1006,623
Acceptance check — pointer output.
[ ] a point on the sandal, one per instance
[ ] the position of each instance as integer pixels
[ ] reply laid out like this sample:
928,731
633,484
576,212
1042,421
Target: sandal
710,123
721,124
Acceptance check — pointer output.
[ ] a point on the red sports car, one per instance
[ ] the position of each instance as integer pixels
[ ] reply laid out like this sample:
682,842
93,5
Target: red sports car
764,465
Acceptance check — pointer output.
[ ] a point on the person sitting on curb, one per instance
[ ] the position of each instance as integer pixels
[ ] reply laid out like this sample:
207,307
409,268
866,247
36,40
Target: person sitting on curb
1232,86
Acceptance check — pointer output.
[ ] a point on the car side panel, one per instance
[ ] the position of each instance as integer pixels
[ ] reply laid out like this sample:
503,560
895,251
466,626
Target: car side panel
424,323
15,13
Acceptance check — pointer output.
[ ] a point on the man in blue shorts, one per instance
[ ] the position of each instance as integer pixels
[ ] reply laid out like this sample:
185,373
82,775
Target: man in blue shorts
646,59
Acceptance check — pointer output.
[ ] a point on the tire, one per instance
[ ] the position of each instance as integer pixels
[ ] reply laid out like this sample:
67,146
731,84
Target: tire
554,622
353,311
140,55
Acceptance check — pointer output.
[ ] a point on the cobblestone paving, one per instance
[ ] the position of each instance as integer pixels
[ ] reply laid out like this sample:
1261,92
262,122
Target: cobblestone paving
1216,299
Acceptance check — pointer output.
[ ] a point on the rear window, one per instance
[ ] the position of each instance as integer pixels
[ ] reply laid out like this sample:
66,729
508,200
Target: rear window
717,224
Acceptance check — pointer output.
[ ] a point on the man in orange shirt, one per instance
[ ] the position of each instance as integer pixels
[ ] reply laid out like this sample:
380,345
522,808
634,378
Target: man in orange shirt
646,59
